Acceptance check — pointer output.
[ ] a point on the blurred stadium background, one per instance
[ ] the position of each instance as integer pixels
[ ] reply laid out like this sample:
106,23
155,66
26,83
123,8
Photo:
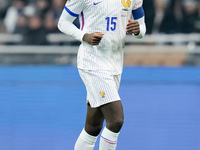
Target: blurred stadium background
42,98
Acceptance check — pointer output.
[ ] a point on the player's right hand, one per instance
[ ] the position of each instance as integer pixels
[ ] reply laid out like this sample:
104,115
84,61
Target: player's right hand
93,38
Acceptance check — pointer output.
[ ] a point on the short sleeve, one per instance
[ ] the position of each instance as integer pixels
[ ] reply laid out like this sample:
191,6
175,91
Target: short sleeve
137,4
74,7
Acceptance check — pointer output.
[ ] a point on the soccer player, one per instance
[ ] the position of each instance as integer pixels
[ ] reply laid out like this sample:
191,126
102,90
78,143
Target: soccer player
104,24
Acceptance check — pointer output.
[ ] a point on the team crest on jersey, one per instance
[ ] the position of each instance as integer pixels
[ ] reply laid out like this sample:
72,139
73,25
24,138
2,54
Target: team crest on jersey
102,94
68,1
126,4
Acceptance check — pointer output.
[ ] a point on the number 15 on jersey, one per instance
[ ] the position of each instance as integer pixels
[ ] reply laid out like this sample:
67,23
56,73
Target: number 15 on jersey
111,23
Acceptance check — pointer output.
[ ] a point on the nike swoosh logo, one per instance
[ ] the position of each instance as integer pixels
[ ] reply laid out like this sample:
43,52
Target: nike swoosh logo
97,3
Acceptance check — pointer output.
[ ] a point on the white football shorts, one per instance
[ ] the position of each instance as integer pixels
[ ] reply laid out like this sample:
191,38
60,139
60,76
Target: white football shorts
102,87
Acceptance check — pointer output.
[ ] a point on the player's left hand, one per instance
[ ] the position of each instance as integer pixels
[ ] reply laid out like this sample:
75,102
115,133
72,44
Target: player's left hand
133,27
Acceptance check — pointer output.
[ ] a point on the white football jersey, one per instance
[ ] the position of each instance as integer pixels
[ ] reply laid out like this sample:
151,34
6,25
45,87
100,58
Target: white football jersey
109,17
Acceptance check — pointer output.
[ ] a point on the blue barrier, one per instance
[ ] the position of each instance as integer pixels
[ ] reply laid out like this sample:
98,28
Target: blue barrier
43,108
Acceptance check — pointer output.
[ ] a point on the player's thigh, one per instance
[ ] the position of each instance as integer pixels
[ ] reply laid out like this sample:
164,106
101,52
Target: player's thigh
94,120
113,112
94,116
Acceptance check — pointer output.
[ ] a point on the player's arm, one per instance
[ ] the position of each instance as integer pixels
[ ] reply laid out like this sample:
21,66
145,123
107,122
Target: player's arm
65,25
137,27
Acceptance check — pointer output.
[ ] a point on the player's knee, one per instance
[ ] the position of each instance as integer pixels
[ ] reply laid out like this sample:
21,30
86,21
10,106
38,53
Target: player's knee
93,130
119,123
115,125
98,128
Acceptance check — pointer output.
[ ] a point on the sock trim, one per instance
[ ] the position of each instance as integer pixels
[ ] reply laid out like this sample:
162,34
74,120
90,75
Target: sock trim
109,134
109,141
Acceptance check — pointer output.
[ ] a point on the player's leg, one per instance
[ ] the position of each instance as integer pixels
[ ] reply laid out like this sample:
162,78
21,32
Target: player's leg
94,120
93,126
102,91
113,113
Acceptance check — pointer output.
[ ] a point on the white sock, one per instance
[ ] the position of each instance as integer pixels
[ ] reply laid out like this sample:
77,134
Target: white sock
85,141
108,140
